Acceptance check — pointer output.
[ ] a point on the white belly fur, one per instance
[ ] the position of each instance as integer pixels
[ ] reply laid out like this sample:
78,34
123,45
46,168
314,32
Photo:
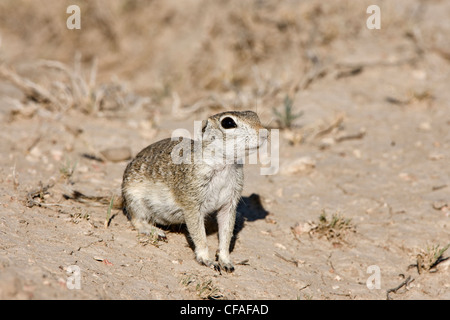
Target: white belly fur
155,203
220,191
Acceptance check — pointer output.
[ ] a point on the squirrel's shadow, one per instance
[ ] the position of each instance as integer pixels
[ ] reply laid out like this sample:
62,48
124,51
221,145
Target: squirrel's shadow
249,209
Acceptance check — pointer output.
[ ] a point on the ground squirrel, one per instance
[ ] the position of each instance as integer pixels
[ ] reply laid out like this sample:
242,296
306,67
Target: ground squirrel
157,190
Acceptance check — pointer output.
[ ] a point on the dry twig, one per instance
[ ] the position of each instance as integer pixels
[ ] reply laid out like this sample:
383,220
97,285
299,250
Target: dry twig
32,90
405,284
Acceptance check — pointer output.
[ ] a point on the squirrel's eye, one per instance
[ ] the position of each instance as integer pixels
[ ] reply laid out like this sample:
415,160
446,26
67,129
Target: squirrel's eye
228,123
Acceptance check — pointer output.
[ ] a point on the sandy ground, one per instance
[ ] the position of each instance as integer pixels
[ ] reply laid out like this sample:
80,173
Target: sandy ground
372,145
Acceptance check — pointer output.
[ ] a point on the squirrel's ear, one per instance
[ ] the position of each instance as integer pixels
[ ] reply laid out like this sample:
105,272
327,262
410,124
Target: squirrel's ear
204,125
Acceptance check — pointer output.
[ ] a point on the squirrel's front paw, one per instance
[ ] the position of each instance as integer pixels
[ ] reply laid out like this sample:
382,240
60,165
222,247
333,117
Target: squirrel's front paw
208,262
226,265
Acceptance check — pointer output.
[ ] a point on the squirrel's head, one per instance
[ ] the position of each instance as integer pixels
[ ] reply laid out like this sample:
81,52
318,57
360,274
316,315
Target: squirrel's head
234,133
